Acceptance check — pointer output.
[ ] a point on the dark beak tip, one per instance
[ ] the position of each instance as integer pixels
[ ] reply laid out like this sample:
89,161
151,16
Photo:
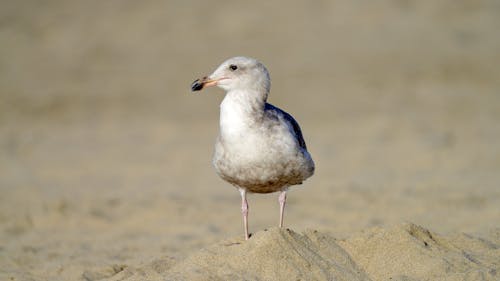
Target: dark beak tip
196,85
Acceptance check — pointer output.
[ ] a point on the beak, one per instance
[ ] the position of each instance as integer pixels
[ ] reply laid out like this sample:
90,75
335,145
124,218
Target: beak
199,84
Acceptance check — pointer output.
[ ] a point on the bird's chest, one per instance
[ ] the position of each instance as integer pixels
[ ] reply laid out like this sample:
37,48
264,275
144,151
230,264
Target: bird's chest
251,147
257,150
254,162
245,131
245,146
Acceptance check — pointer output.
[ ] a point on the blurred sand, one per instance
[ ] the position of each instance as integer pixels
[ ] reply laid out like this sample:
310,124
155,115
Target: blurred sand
105,155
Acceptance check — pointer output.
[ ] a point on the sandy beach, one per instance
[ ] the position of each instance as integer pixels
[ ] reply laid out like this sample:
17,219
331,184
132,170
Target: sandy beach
105,154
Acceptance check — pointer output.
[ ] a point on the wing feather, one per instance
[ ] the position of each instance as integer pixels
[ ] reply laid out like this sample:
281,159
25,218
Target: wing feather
294,125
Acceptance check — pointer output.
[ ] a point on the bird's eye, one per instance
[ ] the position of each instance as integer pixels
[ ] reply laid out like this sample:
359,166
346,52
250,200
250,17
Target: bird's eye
233,67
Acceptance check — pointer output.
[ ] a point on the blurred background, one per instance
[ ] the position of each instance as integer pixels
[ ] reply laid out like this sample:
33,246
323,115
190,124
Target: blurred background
105,154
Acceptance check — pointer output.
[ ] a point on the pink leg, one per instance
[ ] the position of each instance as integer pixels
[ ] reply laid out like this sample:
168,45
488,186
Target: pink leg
244,210
282,200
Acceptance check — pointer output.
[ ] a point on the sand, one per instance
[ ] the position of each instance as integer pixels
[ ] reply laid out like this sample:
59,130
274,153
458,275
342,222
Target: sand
105,154
403,252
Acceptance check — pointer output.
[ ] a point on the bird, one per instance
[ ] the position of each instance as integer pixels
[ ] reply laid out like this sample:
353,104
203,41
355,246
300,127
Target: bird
260,147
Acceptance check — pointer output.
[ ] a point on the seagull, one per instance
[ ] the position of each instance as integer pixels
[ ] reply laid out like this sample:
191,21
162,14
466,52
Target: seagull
260,148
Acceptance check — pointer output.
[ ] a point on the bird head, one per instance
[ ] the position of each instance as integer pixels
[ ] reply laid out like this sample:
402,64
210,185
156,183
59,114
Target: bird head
237,73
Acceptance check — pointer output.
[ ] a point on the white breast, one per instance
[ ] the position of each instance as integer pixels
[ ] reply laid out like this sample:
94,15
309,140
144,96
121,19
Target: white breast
246,137
233,123
238,131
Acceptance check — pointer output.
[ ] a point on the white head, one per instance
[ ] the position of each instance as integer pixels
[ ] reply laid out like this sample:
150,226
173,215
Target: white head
238,73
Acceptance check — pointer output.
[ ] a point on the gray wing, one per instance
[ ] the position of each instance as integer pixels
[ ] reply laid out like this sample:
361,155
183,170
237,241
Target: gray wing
273,110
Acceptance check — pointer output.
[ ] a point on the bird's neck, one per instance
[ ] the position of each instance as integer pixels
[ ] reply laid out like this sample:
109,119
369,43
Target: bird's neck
239,111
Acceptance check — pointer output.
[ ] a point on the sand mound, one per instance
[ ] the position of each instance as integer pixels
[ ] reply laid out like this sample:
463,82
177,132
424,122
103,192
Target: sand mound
411,252
406,252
